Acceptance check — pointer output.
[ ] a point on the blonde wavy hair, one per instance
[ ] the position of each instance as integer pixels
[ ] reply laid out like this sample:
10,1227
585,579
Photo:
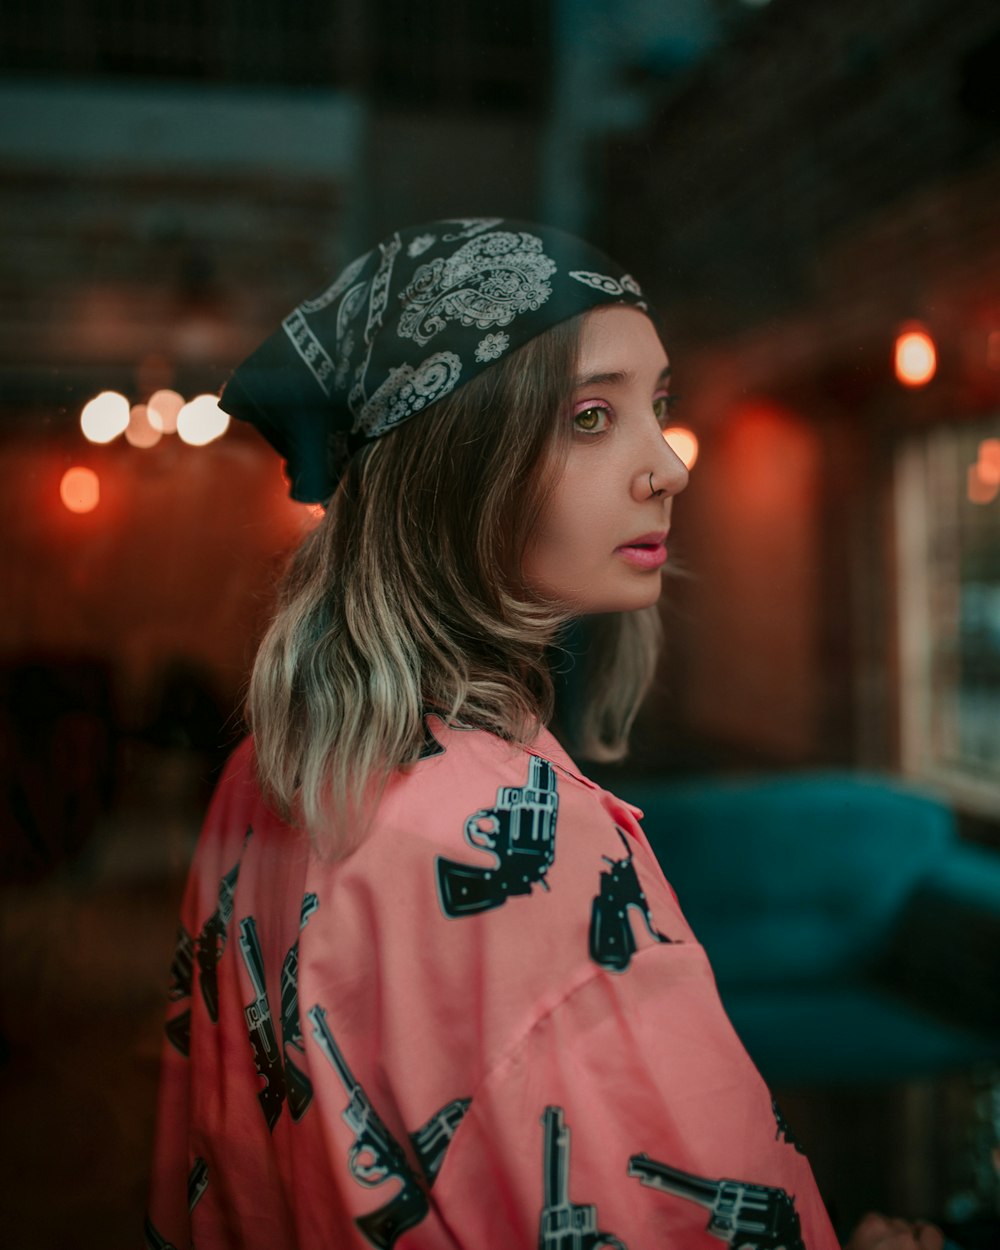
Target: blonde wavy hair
409,597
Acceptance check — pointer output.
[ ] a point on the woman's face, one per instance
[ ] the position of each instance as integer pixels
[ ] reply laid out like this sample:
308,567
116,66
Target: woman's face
600,543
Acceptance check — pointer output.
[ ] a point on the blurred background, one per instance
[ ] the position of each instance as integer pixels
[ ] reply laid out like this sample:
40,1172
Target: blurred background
809,193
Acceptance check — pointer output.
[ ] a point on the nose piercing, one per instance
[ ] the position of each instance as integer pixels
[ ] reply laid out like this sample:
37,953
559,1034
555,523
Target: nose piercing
652,492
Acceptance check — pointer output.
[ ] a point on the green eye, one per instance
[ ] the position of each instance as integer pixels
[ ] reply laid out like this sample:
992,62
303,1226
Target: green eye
662,406
591,420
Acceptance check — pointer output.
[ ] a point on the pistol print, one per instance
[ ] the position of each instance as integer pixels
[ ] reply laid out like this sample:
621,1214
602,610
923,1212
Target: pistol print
212,939
744,1215
283,1079
783,1129
565,1225
375,1155
178,1027
612,942
520,834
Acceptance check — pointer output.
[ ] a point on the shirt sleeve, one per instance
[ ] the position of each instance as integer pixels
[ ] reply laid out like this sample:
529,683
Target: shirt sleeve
632,1111
179,1172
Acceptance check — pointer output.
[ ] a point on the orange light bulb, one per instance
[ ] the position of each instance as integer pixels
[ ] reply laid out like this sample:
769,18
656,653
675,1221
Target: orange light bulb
916,357
80,489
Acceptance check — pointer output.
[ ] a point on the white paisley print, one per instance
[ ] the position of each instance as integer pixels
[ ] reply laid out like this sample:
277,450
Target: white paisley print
406,390
488,282
608,285
420,244
471,226
492,346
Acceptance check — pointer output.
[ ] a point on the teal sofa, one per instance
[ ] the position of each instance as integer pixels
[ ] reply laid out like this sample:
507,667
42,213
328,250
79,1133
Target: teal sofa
854,938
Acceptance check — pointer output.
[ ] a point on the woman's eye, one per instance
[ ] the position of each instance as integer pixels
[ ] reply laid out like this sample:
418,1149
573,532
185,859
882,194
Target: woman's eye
662,406
591,420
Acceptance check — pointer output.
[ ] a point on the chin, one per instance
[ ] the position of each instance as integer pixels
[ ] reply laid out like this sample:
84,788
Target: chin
623,599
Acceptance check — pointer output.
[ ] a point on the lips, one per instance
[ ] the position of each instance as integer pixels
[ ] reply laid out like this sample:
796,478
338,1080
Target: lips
645,552
655,539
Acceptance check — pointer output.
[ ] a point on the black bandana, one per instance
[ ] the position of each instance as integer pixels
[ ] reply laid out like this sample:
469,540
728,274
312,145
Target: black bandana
421,314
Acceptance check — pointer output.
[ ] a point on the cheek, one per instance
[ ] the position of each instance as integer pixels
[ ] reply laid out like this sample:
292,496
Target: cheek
559,525
573,533
586,515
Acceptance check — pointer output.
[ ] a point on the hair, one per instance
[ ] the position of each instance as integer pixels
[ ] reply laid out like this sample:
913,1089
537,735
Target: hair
408,597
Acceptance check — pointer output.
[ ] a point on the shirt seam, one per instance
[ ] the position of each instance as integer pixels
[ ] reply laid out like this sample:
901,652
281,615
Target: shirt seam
595,974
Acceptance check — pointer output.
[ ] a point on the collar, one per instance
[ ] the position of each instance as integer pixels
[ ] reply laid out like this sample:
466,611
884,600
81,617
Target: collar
546,747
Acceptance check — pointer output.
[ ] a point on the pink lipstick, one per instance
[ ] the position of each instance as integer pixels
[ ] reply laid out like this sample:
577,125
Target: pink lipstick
645,552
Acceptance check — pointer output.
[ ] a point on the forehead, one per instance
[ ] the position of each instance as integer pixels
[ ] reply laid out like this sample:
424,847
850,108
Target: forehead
617,339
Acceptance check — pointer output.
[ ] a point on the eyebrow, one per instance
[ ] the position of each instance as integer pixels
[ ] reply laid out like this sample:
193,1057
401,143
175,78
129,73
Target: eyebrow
615,378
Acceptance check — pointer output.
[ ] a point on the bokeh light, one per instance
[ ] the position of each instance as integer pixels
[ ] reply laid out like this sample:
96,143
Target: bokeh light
164,405
916,357
989,461
80,489
104,417
980,490
141,432
683,443
201,420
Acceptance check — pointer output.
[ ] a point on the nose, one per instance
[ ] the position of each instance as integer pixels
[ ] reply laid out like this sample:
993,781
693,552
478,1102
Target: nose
664,473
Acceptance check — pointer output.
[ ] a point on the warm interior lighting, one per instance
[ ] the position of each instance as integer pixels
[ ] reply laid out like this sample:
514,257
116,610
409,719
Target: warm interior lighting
916,357
141,432
989,461
202,420
683,443
979,490
164,405
80,490
104,417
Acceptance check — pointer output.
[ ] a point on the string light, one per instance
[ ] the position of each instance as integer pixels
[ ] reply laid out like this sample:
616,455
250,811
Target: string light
104,417
80,489
915,357
164,405
201,420
141,432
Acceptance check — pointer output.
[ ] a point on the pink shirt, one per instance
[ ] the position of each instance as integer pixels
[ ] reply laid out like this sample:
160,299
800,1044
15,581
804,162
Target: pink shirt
490,1026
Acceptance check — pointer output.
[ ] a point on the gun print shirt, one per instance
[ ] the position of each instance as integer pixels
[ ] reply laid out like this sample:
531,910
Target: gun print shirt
489,1026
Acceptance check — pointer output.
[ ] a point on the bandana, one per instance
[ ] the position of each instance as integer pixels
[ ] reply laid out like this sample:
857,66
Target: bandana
421,314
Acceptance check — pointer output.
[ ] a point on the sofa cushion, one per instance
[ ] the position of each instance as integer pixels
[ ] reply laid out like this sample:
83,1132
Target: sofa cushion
945,947
793,878
849,1034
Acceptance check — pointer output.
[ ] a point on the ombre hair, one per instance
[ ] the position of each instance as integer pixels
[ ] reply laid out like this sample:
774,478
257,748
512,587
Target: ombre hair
409,597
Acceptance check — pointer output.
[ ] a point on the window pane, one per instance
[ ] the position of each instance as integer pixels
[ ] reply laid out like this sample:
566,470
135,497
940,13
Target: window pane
948,522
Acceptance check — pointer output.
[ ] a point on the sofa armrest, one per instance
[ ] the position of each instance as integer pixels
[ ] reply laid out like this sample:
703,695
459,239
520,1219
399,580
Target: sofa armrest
944,952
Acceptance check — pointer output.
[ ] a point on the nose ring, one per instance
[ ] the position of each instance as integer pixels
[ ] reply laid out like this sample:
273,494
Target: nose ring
652,492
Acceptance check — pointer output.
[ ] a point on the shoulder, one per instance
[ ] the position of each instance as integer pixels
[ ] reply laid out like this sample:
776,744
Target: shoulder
465,771
238,827
518,829
237,800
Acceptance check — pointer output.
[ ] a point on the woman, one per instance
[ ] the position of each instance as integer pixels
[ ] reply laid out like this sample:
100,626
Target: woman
431,985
